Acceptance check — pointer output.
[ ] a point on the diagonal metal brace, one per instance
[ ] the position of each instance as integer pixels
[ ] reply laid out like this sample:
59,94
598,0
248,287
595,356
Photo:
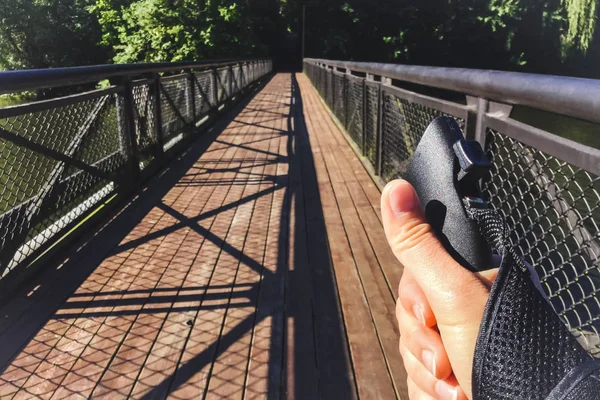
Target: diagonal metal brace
172,104
202,92
58,156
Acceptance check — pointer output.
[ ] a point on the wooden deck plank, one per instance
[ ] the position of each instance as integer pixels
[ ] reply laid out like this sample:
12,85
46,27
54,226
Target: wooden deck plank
263,378
189,382
160,365
365,195
368,360
98,365
381,301
126,365
228,375
260,271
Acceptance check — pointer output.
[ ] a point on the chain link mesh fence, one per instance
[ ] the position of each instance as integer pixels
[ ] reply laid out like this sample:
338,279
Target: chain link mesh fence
371,121
204,91
223,84
551,207
339,105
354,112
60,158
175,105
41,195
403,125
145,121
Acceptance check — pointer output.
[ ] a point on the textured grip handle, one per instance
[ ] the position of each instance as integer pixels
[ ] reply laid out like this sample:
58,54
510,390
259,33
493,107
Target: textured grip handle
434,173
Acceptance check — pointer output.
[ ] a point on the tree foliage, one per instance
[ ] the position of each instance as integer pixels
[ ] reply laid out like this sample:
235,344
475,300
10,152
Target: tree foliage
175,30
548,36
48,33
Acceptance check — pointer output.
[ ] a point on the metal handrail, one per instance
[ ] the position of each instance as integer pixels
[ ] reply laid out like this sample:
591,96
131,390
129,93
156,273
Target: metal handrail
575,97
23,80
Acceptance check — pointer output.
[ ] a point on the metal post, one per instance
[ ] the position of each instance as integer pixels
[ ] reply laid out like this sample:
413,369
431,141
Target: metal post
230,83
345,84
242,76
191,93
365,91
380,126
158,123
215,91
130,129
333,71
482,109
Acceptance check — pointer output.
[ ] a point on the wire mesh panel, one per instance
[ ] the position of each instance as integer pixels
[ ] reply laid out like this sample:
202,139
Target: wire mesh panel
176,114
43,187
404,123
354,113
329,89
145,121
204,92
235,78
371,121
223,84
339,106
552,209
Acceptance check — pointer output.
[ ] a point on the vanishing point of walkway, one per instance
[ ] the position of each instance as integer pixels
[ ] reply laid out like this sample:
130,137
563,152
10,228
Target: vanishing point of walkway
255,266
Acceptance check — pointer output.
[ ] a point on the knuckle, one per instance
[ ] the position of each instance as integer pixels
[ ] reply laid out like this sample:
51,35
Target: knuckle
413,234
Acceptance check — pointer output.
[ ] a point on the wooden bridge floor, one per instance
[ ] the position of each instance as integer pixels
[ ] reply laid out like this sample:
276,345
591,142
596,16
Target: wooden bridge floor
255,266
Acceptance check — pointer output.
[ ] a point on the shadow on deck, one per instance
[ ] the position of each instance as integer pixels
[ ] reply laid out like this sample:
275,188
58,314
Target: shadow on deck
218,279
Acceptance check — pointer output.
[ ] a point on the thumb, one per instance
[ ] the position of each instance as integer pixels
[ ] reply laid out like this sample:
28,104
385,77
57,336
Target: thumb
456,296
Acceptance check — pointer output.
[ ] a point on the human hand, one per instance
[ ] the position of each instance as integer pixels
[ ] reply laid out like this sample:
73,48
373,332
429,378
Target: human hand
440,303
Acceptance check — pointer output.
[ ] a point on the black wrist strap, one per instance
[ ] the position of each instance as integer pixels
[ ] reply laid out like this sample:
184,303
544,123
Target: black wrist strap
524,350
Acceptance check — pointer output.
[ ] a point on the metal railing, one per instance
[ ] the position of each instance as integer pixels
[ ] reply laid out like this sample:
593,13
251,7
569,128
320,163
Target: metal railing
546,187
61,159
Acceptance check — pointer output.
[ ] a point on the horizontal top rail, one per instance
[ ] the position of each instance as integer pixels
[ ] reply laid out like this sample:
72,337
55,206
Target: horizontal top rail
575,97
23,80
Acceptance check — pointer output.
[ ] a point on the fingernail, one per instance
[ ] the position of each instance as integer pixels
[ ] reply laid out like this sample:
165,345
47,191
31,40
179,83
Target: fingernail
418,311
402,198
429,360
446,391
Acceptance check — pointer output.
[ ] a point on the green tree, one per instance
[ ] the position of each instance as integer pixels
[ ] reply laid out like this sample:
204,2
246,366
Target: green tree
48,33
175,30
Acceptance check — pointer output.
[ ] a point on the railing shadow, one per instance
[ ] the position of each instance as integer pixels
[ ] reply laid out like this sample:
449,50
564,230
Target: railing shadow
307,352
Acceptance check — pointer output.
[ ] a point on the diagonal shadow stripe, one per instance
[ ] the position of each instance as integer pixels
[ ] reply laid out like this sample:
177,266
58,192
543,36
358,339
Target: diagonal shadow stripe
248,148
159,290
190,221
212,352
238,254
233,169
153,299
153,310
270,129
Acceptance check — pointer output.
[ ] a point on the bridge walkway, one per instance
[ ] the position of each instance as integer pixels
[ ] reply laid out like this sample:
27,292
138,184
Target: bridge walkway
254,266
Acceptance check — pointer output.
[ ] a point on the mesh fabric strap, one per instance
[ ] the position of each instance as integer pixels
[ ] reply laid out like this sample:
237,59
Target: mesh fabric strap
523,350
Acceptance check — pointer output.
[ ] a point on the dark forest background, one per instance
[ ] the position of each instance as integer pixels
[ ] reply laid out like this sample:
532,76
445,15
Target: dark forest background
552,36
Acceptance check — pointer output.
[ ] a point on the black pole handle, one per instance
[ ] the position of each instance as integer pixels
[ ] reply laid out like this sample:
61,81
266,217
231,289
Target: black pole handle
445,171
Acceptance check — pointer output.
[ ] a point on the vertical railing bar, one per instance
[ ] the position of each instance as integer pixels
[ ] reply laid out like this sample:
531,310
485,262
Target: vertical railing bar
364,113
333,90
160,136
380,128
215,90
482,109
345,85
129,114
230,82
192,97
